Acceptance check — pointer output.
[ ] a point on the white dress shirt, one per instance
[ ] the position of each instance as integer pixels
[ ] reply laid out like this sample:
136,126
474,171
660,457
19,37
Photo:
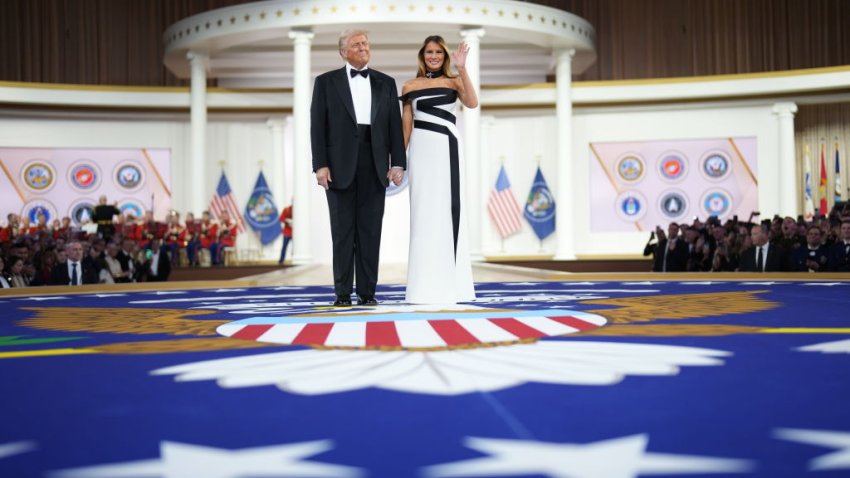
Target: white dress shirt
155,263
4,284
361,95
763,256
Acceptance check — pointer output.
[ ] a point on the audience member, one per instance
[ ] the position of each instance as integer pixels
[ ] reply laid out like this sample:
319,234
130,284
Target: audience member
763,256
814,257
839,253
157,265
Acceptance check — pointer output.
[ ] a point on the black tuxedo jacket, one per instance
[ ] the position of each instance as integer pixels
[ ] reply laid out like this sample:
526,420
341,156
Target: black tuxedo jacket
677,259
163,268
333,127
776,260
59,275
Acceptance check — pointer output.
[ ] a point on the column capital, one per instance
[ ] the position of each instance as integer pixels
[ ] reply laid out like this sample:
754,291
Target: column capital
472,33
275,123
565,54
197,56
301,36
786,108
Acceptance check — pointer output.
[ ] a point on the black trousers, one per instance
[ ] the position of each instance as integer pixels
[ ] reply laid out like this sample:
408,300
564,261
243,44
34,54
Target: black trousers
357,214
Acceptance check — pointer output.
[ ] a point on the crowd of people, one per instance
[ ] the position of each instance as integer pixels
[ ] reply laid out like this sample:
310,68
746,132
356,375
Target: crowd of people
780,244
120,250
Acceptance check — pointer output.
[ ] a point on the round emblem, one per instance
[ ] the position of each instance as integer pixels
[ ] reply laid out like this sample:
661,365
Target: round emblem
672,166
84,176
38,176
131,207
413,330
541,204
673,204
260,211
36,207
392,189
631,205
81,211
716,202
129,175
715,165
630,168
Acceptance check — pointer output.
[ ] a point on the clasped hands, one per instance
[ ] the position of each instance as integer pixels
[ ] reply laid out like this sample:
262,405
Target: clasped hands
323,176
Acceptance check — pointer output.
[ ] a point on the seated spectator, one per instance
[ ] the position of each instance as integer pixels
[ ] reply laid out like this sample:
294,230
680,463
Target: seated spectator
5,278
227,236
44,263
113,271
190,238
16,272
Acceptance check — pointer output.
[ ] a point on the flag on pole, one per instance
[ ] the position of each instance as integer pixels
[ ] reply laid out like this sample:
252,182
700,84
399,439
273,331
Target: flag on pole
837,175
540,207
502,206
223,200
261,212
822,186
808,202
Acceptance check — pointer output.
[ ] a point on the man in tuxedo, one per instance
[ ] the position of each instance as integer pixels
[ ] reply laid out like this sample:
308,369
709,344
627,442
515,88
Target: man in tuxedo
839,253
763,256
671,254
814,257
73,271
158,264
358,147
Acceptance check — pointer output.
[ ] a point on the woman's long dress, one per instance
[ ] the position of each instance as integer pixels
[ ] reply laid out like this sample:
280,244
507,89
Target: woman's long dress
439,269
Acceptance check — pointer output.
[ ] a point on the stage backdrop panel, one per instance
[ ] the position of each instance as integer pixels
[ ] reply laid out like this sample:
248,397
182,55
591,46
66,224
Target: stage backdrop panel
641,184
67,182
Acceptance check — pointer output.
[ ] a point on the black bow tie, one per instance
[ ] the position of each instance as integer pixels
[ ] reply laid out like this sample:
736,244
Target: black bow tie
364,72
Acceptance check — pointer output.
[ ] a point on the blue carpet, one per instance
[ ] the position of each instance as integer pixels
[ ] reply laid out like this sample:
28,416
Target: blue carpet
603,379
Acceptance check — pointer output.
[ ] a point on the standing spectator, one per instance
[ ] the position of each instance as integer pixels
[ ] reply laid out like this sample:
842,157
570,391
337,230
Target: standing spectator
286,229
763,256
157,266
671,253
74,271
839,254
812,258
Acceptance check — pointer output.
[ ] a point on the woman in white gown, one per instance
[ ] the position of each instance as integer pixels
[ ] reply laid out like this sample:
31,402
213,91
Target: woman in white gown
439,270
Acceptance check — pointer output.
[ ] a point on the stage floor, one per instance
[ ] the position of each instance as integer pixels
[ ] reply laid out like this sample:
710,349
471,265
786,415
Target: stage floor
546,373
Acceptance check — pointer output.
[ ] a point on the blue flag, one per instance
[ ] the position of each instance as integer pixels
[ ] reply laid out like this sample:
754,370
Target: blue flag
261,213
540,207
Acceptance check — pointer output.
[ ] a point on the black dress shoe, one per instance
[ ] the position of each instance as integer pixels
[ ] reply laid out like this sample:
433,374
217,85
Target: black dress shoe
366,301
342,301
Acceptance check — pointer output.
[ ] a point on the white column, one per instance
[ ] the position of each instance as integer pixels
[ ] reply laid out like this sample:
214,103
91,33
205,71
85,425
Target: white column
277,174
565,202
302,180
472,144
198,95
788,187
485,184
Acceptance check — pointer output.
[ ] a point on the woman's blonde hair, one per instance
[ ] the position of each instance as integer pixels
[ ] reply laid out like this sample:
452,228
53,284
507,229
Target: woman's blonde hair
447,62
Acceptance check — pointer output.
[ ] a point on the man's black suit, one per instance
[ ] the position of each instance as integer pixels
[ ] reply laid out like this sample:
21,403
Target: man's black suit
163,269
676,260
358,159
776,260
60,276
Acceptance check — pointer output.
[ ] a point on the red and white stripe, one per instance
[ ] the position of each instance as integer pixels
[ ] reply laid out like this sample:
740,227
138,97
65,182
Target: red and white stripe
219,204
504,210
413,333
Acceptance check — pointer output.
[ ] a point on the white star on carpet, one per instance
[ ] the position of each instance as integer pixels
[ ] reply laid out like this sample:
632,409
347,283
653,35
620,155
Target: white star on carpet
40,299
824,284
641,283
218,291
840,441
16,448
578,283
285,287
624,457
168,292
758,283
184,460
101,296
698,283
834,347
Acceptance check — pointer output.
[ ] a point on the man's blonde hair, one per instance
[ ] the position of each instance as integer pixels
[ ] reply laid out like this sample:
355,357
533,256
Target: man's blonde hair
346,35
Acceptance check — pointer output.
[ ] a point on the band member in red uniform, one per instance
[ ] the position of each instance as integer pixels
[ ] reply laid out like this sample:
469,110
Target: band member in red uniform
174,230
131,229
209,234
190,238
150,230
226,236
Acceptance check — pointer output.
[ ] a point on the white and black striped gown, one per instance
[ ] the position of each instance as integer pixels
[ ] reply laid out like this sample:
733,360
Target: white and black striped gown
439,269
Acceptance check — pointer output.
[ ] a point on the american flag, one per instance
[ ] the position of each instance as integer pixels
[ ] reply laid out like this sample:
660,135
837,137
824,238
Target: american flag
503,207
224,201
